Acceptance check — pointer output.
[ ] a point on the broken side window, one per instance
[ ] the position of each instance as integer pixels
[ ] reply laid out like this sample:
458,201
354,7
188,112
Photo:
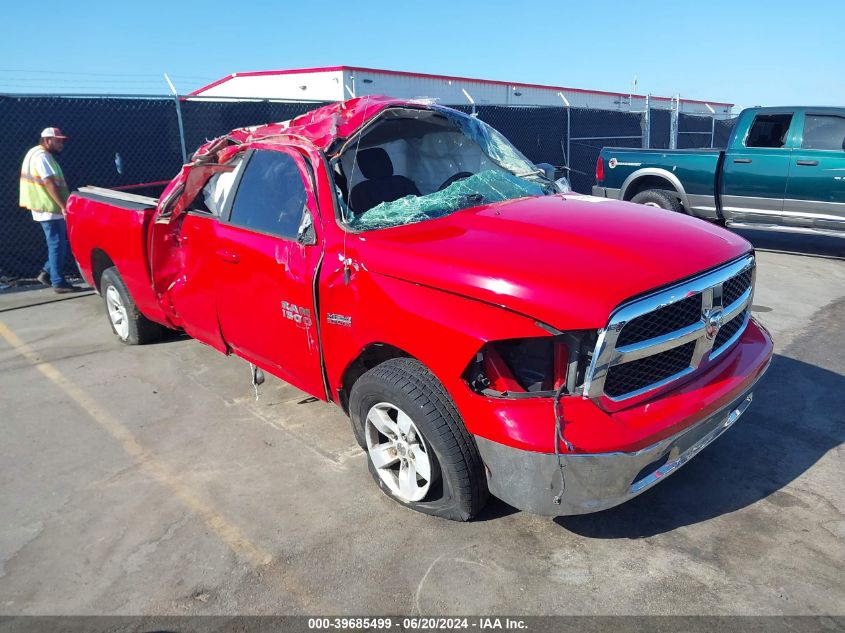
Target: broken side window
271,196
217,189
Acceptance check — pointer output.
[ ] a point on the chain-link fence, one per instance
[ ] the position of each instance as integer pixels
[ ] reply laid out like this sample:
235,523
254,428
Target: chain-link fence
660,124
114,142
205,120
724,128
594,129
695,131
702,131
122,141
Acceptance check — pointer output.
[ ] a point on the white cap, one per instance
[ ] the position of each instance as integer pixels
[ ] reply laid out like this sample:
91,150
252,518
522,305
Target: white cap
52,132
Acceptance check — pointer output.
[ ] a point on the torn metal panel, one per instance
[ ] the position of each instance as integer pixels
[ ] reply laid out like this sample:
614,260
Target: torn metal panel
320,127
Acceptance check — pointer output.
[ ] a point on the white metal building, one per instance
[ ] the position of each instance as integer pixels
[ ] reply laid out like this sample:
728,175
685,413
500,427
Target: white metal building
337,83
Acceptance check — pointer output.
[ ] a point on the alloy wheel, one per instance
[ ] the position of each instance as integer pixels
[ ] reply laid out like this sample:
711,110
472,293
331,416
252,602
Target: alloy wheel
398,452
117,312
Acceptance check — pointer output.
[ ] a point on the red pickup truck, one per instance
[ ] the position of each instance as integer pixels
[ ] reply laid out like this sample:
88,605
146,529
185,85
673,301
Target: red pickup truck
484,331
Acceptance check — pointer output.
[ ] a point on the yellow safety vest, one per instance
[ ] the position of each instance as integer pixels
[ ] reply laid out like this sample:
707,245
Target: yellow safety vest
34,195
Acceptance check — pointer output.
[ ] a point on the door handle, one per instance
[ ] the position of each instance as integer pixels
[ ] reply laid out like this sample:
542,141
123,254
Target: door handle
230,257
810,163
742,160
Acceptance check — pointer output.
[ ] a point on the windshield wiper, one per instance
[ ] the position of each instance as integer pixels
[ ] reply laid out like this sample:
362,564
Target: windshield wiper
536,172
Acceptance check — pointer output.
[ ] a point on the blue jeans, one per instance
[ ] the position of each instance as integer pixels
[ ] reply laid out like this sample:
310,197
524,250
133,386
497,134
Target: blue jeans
57,249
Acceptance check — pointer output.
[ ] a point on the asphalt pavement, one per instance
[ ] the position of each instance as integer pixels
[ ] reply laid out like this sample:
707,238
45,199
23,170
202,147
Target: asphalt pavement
151,480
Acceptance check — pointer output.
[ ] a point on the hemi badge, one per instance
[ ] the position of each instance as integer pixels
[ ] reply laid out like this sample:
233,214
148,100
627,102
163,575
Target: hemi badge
339,319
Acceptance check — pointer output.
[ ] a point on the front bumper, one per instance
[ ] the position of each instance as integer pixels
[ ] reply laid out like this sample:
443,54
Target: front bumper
606,192
531,481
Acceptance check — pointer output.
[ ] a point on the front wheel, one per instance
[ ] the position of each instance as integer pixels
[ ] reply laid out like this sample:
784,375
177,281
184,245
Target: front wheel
418,450
658,198
130,326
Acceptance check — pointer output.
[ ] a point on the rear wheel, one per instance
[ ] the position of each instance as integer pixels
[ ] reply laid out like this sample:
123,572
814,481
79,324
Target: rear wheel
658,198
418,450
130,326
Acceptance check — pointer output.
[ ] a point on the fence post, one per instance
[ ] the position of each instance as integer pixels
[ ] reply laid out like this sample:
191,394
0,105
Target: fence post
568,142
471,100
673,125
712,125
181,129
646,123
178,118
568,135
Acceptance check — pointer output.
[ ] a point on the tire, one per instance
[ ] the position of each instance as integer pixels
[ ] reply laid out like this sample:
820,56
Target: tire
128,324
404,417
658,198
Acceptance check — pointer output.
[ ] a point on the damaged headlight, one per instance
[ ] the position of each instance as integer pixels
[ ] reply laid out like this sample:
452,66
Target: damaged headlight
532,367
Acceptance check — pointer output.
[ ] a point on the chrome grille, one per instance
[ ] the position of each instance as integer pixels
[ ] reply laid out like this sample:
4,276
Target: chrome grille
661,321
629,377
729,330
652,342
734,287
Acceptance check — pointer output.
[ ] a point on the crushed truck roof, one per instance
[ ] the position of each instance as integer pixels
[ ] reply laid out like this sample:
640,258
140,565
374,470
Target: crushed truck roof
320,127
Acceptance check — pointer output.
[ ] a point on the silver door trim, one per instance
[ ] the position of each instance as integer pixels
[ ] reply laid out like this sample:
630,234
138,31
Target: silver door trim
815,209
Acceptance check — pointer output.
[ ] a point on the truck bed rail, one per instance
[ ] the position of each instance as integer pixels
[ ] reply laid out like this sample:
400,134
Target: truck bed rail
120,199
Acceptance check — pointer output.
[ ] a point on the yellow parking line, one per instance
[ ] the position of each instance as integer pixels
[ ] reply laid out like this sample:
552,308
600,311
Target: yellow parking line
229,533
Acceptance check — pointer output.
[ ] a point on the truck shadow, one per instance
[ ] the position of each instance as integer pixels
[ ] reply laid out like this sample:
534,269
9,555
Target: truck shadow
495,509
171,336
828,247
797,416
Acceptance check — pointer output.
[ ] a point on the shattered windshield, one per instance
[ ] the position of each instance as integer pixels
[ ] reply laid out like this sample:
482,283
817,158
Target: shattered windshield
482,188
415,165
494,144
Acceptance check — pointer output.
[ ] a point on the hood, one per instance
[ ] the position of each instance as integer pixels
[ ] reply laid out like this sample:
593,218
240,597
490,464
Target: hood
567,260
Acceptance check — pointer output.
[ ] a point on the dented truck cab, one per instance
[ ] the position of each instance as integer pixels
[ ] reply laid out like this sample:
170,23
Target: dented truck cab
485,332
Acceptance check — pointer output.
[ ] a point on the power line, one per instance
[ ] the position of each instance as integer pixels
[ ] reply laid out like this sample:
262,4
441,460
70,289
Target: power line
91,74
148,82
64,89
89,89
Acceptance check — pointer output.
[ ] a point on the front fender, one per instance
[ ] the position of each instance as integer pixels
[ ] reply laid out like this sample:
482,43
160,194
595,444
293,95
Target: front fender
440,329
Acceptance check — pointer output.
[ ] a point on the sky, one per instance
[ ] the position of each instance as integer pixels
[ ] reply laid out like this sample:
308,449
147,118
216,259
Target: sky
774,52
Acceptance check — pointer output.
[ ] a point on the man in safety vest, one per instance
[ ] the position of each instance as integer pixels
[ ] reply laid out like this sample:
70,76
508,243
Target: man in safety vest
45,193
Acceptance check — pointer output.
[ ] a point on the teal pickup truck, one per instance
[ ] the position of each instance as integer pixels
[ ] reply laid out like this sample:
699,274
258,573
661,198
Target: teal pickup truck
784,169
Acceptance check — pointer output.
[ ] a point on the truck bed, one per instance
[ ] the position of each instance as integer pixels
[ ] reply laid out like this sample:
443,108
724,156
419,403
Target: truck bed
110,228
119,199
695,172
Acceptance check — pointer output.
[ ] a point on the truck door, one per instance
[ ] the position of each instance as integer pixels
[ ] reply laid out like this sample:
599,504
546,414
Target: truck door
267,255
181,241
815,192
756,169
